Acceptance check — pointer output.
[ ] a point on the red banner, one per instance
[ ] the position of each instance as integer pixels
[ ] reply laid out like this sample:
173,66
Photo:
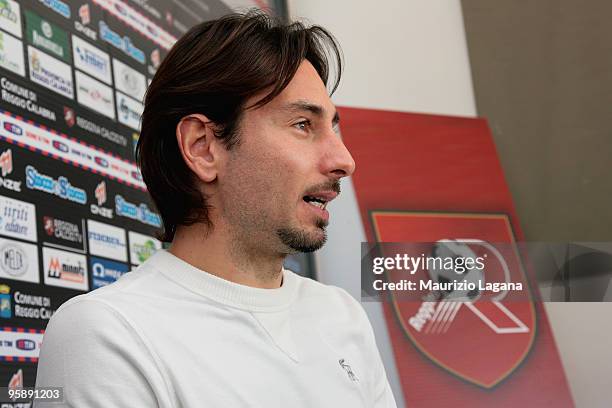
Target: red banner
425,178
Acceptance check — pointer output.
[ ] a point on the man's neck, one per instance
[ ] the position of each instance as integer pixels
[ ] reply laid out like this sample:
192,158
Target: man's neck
221,255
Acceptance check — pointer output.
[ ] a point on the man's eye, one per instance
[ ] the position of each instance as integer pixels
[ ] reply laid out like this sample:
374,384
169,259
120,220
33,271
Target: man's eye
303,125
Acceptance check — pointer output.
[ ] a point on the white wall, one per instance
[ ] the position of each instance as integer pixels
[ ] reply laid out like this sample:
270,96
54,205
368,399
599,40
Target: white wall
407,55
411,55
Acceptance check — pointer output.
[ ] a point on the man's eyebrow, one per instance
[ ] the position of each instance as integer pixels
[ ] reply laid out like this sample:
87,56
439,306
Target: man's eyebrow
309,107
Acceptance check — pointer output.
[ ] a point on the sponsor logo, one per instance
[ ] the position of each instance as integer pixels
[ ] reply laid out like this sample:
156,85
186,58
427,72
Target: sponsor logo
16,383
140,212
101,131
129,111
95,95
69,116
136,175
6,164
80,154
47,36
149,8
105,272
25,344
58,6
123,44
63,230
10,18
142,247
18,261
138,22
14,260
129,80
38,139
155,58
85,19
50,72
100,194
84,15
60,146
5,302
18,343
65,269
13,128
91,60
23,98
107,240
17,219
101,161
60,187
29,306
11,54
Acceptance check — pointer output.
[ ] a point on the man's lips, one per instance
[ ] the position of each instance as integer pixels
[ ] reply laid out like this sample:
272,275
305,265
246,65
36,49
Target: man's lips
318,209
319,196
325,196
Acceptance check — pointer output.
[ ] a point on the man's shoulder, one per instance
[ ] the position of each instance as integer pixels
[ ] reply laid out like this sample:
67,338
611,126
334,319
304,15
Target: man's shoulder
129,288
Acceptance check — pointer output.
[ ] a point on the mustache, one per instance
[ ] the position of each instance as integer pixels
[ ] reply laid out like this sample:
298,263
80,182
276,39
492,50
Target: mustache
333,185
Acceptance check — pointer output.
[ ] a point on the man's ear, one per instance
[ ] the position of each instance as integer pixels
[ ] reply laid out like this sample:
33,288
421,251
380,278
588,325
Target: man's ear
199,146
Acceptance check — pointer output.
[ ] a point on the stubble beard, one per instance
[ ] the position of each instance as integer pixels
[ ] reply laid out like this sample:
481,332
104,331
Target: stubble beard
299,240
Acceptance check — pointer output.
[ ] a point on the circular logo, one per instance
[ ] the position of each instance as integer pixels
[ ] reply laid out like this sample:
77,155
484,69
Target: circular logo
14,261
130,81
46,29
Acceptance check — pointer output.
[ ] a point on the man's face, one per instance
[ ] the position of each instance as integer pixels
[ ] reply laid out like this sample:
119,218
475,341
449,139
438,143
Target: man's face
289,160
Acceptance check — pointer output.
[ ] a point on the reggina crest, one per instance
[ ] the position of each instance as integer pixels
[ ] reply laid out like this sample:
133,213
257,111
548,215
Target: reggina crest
472,331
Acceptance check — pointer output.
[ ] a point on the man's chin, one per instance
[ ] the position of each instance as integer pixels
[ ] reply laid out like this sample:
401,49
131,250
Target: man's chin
301,240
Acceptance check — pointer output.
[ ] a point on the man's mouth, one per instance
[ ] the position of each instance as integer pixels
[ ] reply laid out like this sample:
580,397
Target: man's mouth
318,197
316,202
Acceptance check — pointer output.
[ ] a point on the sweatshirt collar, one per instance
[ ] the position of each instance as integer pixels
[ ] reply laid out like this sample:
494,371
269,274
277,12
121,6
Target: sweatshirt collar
224,291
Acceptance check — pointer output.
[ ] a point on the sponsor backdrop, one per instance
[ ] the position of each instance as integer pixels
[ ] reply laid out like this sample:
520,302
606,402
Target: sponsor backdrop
74,212
429,178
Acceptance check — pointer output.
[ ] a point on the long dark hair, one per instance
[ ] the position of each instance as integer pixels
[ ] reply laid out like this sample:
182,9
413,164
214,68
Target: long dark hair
213,70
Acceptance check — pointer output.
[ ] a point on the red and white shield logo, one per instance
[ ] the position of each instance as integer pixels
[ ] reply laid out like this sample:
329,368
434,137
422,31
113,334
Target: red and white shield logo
481,335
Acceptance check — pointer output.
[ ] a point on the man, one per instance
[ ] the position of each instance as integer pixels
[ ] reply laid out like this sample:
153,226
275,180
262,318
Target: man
240,152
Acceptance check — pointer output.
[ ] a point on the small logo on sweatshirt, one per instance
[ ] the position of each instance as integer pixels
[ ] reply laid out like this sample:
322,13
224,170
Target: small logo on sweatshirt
348,369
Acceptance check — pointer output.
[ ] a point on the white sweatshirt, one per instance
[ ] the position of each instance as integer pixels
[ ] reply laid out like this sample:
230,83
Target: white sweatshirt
171,335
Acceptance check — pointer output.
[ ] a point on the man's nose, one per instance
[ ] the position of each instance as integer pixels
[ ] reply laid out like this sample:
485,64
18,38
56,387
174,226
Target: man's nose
339,161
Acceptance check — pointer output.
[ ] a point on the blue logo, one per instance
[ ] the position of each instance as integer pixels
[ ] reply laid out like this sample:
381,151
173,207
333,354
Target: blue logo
105,272
122,43
107,239
58,6
13,128
60,187
140,213
93,60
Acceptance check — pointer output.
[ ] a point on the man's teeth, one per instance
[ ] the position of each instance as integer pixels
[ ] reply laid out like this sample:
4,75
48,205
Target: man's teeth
317,204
